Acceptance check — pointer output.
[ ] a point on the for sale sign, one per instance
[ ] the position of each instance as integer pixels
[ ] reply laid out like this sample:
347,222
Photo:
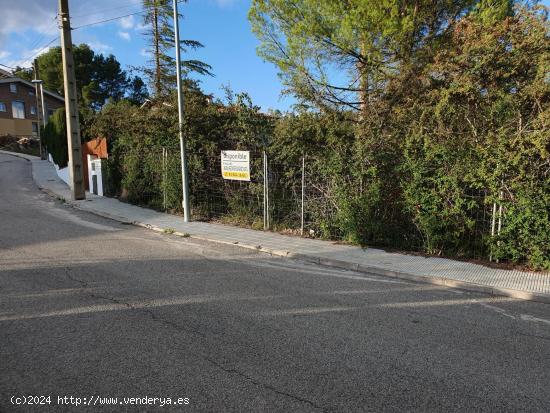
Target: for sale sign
236,165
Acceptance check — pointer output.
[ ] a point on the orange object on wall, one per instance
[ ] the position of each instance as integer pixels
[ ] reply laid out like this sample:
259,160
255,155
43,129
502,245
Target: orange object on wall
96,147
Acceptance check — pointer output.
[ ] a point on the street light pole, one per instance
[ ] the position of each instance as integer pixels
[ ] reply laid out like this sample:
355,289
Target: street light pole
184,173
38,88
44,119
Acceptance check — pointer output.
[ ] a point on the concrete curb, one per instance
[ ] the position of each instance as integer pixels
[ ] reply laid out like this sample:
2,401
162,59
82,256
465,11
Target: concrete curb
24,156
326,262
346,265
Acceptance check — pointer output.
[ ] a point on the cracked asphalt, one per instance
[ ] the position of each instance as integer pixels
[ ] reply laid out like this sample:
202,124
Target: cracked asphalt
93,308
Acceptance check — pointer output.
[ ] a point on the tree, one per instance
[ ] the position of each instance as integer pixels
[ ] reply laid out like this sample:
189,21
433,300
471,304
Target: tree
108,81
161,69
340,54
23,73
98,77
137,91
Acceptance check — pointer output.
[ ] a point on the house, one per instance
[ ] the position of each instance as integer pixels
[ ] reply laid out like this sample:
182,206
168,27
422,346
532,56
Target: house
19,106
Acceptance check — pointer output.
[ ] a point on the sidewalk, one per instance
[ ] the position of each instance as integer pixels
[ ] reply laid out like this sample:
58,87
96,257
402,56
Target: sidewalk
513,283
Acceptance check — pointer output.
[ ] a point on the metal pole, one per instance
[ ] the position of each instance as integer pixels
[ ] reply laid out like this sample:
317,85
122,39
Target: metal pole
44,118
500,213
164,175
501,197
493,223
184,173
265,191
36,91
76,173
303,193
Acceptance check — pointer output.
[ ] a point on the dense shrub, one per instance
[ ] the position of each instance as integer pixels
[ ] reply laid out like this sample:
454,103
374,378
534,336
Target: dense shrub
450,139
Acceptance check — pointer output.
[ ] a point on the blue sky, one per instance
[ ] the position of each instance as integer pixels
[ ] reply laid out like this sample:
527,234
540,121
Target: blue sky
221,25
26,26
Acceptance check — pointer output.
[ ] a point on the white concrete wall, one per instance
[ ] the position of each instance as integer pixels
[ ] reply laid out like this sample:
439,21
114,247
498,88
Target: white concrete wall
63,173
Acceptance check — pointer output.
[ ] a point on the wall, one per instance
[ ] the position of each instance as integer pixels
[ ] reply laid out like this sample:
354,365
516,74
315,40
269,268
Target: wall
63,173
25,94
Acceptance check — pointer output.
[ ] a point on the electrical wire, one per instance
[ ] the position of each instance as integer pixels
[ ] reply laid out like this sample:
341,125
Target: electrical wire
114,18
106,20
30,59
9,67
39,39
128,5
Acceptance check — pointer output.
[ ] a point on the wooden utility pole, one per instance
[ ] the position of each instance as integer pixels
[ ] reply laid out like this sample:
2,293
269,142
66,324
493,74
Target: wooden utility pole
76,173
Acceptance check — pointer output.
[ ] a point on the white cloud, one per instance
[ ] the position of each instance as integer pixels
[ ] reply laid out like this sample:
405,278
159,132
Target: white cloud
39,17
225,3
127,22
142,26
124,35
25,56
99,47
144,53
4,54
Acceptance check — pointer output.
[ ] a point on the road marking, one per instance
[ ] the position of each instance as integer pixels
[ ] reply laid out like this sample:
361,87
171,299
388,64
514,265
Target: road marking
522,317
308,311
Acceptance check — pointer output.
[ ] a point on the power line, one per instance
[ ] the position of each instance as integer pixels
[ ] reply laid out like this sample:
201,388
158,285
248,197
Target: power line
9,67
30,59
88,25
115,18
39,39
128,5
107,20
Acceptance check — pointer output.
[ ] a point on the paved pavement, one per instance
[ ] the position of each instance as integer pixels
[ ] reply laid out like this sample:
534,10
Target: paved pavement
92,308
439,271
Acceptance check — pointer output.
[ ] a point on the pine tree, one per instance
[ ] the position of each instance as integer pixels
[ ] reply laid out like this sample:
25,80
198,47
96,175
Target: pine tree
161,69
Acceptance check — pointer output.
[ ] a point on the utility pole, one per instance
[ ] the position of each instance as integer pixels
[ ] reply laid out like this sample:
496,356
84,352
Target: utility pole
184,173
39,107
76,174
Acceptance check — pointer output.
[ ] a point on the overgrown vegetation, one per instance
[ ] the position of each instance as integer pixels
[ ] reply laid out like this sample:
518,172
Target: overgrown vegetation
440,138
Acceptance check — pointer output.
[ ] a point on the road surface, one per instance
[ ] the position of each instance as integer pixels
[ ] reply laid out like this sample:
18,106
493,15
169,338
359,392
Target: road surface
109,313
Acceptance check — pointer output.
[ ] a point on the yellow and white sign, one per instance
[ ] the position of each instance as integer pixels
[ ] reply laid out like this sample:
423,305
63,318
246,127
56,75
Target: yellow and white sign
236,165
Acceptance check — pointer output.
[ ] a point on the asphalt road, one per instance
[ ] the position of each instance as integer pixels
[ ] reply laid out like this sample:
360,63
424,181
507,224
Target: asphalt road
94,309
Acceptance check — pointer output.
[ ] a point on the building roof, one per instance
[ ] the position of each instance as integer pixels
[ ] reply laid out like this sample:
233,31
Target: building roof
7,77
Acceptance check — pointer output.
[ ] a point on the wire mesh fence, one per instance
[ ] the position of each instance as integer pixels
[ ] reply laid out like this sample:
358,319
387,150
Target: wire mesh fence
295,199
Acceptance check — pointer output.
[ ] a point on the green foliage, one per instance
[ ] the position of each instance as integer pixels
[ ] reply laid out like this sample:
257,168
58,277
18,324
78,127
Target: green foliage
99,78
440,142
23,73
161,69
364,41
54,136
456,126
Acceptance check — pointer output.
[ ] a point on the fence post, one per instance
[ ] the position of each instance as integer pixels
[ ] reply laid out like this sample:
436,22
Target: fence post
493,224
494,217
303,193
164,175
501,197
266,193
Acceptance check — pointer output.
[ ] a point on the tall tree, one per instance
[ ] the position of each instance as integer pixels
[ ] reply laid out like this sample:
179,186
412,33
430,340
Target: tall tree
339,54
161,69
137,91
98,77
